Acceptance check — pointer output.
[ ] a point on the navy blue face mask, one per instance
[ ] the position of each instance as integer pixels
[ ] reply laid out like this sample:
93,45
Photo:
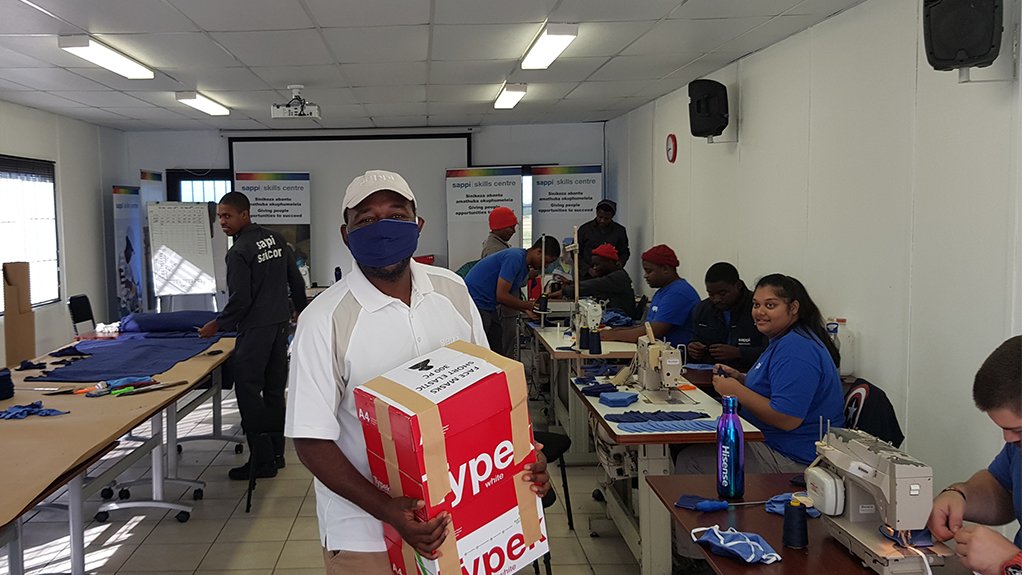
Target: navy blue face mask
384,243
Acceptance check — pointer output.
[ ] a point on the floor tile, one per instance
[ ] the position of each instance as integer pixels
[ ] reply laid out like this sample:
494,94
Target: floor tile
238,572
133,531
308,506
559,569
305,529
212,509
240,529
625,569
301,555
247,555
606,550
277,487
194,531
566,551
309,571
270,507
159,557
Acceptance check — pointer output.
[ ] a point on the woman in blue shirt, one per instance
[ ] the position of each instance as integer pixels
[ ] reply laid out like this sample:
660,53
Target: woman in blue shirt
795,382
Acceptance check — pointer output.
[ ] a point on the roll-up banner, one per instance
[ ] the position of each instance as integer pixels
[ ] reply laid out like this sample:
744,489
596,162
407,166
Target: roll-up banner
472,193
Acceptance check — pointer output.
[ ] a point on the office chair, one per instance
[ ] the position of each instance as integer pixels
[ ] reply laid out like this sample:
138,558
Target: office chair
81,314
555,445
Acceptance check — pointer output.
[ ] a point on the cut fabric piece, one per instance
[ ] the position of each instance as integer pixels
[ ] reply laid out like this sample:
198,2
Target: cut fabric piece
749,547
699,366
776,505
116,358
23,411
66,351
668,426
913,538
618,398
640,416
28,364
598,389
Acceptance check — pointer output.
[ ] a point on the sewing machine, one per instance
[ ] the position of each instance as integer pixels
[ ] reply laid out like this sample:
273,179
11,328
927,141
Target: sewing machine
588,314
864,485
660,363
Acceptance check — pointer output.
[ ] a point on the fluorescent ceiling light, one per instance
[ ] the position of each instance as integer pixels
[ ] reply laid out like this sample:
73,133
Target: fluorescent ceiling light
554,39
91,50
509,96
201,103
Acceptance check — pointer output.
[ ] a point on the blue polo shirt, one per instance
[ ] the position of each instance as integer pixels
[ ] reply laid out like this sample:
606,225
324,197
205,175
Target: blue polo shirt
798,375
482,279
674,304
1007,470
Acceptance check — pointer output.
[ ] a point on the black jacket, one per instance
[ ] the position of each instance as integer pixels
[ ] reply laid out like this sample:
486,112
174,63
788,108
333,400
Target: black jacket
261,269
616,287
591,236
710,328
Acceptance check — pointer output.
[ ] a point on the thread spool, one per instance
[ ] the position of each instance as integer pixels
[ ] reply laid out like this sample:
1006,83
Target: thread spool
595,343
543,303
796,529
6,385
583,338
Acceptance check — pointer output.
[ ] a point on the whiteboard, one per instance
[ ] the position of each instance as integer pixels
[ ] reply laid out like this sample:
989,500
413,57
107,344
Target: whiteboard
181,238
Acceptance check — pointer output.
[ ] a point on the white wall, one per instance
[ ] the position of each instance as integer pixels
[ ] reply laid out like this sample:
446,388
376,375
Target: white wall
566,144
75,147
891,190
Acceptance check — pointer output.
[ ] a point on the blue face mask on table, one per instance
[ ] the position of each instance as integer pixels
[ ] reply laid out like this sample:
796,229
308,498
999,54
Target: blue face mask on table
748,547
384,243
776,505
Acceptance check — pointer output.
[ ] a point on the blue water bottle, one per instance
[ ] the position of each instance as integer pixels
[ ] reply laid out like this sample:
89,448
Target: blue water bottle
730,451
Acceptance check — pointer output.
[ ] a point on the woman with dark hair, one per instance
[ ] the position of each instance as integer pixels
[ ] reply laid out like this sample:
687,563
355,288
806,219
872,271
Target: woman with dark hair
795,382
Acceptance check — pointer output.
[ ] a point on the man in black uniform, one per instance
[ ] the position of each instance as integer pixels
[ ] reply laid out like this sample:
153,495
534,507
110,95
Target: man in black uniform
260,270
724,330
601,230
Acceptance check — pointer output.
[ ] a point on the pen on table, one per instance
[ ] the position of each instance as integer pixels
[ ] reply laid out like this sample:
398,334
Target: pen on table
37,388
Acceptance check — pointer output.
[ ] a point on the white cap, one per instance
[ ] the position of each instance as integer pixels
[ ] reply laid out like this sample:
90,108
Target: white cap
374,181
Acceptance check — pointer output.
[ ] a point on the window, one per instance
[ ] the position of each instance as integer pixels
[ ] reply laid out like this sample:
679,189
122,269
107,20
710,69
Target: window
28,223
198,185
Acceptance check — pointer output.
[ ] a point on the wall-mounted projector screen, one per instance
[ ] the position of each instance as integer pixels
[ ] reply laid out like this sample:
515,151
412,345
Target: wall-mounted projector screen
332,162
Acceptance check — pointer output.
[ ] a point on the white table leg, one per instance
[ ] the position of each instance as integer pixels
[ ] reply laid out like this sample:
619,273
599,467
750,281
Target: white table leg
654,519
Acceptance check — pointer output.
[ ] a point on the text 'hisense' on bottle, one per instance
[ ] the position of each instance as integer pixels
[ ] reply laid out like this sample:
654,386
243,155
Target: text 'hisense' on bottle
730,451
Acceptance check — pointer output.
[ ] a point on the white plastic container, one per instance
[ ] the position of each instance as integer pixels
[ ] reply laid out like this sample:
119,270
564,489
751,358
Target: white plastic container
847,347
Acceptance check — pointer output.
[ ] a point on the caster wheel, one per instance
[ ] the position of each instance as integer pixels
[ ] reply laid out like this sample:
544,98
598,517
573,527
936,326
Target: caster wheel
239,449
598,495
102,516
124,493
183,516
197,494
180,449
107,493
593,534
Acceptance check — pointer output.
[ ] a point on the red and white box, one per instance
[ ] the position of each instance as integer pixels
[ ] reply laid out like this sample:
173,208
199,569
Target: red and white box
452,428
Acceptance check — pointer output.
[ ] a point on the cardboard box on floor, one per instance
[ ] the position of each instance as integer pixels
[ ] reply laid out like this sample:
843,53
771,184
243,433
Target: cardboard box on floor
19,319
452,428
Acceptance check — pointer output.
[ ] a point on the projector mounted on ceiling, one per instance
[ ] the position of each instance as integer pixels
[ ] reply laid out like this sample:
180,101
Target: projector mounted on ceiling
296,107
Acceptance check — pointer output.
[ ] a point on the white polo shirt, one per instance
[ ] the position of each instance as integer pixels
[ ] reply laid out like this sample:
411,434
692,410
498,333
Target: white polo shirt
348,335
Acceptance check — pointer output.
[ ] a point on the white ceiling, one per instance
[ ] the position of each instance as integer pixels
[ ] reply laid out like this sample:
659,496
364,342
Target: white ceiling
377,63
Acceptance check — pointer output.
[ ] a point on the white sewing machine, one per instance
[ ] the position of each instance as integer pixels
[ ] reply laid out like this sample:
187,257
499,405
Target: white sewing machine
660,364
589,314
864,485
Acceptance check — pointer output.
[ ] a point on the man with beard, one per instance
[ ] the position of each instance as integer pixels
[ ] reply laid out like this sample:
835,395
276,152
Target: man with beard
260,271
387,311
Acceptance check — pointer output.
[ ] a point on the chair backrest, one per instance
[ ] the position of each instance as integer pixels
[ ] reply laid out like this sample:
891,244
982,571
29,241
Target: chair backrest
81,314
465,268
868,409
640,308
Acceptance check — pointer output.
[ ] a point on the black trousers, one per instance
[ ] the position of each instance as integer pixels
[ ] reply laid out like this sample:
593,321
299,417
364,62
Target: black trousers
493,329
259,366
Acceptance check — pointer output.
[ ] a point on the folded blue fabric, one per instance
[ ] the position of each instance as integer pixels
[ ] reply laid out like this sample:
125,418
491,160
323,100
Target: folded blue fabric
668,426
186,320
616,318
699,366
596,390
640,416
600,369
618,398
23,411
749,547
776,505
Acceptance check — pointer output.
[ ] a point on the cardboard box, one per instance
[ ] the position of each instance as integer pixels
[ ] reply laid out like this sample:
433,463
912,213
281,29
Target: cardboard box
19,319
452,428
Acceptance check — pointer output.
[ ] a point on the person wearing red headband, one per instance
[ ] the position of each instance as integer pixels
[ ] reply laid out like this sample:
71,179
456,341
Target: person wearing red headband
670,312
607,281
503,224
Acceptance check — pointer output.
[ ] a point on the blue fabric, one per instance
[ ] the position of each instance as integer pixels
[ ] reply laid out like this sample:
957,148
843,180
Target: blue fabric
596,390
776,505
748,547
641,416
699,366
674,304
185,321
23,411
916,537
798,376
618,398
614,318
69,350
114,358
506,264
1007,470
598,369
384,243
697,503
668,426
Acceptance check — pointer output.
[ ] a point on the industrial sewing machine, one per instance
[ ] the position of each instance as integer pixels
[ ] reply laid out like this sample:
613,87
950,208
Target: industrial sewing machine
867,488
660,364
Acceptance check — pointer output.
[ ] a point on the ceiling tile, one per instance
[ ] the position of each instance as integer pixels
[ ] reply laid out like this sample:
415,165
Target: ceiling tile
181,50
463,93
221,79
385,73
323,76
385,94
291,123
825,7
329,96
150,113
665,86
91,114
6,85
287,48
123,16
256,100
476,12
162,99
347,123
12,59
40,49
563,69
334,14
381,44
398,109
482,41
182,124
39,100
160,82
127,125
454,108
732,8
774,31
612,10
650,67
235,123
673,36
20,18
49,79
107,99
470,71
603,90
245,14
335,111
399,121
442,120
605,38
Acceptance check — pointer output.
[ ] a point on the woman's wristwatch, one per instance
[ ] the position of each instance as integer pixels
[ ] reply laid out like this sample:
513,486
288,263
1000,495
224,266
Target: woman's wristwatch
1013,566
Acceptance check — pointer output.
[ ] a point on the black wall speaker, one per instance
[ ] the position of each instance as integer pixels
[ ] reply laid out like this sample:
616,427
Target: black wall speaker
962,33
707,108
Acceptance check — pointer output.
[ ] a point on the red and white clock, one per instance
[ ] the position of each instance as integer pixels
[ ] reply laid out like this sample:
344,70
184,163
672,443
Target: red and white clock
672,148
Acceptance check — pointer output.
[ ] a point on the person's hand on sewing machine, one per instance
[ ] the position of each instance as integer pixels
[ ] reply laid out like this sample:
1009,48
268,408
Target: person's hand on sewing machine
537,473
983,550
208,330
724,352
946,515
696,351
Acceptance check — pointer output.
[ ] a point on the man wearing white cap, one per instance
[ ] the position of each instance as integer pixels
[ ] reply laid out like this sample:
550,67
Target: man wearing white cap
387,311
